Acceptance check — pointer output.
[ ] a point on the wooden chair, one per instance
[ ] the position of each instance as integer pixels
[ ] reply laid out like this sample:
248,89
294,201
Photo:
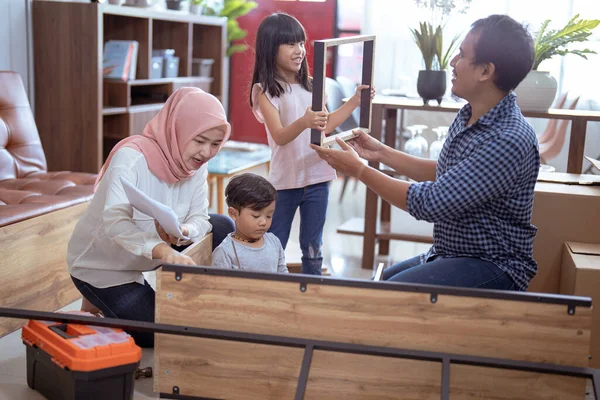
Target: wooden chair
554,140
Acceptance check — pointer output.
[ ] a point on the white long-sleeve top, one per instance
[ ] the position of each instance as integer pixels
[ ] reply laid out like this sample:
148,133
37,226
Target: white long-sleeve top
112,242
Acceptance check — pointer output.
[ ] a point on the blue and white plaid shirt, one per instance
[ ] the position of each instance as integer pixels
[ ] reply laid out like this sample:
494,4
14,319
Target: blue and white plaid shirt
482,199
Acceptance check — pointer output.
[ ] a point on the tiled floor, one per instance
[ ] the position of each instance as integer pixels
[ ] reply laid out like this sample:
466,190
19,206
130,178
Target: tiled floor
342,256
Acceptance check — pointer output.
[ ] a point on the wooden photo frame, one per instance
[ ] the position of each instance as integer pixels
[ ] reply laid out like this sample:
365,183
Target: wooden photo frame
318,93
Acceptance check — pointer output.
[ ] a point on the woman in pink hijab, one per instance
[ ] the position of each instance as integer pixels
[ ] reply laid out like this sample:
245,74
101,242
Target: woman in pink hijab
113,243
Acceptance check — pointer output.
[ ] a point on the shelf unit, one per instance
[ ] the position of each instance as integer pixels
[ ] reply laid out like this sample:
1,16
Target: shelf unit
80,115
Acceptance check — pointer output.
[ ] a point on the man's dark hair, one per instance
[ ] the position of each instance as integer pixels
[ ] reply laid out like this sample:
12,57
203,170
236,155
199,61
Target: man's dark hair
508,45
249,191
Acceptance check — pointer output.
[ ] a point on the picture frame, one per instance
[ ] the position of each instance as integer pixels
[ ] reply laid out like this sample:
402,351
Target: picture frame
318,94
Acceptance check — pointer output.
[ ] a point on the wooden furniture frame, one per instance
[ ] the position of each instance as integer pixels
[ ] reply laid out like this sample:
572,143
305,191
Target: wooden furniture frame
318,94
274,336
34,263
386,108
233,334
80,116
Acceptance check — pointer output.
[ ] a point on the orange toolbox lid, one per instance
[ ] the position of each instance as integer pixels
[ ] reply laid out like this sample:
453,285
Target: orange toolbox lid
82,347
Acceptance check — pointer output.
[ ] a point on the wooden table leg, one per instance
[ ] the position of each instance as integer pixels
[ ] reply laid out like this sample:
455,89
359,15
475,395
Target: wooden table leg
370,231
220,195
391,119
576,146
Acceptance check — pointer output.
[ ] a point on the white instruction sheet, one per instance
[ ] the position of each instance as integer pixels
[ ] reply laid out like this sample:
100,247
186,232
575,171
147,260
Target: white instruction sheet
165,216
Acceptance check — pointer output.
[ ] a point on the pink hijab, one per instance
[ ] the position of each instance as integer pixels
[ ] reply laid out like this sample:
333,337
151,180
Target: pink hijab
187,113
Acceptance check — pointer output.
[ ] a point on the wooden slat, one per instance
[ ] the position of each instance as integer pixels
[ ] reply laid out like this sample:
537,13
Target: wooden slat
361,377
463,325
406,228
225,370
346,40
34,267
201,251
475,383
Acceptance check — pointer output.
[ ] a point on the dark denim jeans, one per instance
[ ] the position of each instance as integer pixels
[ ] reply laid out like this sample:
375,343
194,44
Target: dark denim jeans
312,201
137,302
466,272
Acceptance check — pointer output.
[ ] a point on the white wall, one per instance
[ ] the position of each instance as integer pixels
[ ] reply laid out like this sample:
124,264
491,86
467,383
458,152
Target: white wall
14,49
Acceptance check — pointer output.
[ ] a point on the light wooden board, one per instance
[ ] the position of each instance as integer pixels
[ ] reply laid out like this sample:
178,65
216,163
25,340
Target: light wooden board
351,376
464,325
225,370
474,383
34,264
201,251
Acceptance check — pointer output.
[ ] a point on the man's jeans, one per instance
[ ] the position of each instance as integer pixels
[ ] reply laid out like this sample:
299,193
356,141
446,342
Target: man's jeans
135,301
312,201
466,272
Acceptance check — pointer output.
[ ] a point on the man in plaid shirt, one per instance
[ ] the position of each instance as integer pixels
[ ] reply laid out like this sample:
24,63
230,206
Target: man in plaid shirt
479,194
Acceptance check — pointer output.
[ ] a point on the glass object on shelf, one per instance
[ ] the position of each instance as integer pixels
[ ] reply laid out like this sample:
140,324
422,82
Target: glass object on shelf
420,139
412,145
436,147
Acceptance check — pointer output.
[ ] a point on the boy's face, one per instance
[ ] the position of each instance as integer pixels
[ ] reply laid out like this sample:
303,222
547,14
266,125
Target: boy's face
253,224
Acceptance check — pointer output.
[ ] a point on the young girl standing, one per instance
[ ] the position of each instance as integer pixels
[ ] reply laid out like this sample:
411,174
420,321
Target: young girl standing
281,98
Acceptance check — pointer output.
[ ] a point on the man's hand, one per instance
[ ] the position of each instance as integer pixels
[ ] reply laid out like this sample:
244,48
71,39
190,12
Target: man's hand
167,255
345,161
366,146
166,237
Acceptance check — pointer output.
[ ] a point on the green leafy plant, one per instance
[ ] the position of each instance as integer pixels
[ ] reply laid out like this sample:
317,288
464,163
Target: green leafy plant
233,9
551,42
198,2
431,44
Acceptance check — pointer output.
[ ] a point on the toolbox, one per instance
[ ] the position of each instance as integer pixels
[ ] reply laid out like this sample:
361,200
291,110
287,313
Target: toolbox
80,362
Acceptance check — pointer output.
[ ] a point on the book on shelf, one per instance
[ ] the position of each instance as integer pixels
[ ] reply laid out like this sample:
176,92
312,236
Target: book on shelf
120,59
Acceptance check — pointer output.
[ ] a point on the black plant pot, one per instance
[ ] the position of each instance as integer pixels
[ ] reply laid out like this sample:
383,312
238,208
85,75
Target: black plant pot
431,85
173,4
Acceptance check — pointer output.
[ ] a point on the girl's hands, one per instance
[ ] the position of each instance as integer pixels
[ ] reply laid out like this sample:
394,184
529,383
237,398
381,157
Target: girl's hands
168,255
166,237
315,119
356,98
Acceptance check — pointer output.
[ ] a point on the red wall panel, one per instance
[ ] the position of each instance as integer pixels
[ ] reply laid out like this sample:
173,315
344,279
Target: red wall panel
318,21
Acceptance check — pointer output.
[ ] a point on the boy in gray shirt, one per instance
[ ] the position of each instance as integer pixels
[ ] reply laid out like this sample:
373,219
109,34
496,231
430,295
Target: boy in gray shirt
251,201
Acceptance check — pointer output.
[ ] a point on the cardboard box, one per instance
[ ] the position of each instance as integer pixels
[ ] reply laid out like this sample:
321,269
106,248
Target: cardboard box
562,213
581,277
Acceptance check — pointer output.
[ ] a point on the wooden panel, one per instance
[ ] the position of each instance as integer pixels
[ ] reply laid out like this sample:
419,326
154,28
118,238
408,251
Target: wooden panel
138,121
116,94
117,27
201,251
474,383
34,267
174,35
210,42
352,376
67,62
225,370
116,126
464,325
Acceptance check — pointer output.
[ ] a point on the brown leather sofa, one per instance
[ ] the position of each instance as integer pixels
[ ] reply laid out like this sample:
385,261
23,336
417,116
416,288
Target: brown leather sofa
38,211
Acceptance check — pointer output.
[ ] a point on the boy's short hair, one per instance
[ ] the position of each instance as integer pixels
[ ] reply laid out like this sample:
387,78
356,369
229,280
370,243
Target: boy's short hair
249,191
508,45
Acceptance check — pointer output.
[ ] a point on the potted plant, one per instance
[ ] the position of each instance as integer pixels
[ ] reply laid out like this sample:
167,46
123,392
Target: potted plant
233,9
538,89
197,6
431,84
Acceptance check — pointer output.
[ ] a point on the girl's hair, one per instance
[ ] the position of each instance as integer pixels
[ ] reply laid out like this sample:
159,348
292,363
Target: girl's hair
275,30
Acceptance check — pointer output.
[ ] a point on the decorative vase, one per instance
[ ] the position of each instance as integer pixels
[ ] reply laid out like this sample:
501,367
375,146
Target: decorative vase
431,85
536,92
197,9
